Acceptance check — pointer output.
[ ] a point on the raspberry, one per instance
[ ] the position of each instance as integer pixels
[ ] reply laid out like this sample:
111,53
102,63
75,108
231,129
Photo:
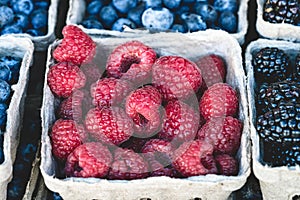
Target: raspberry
63,78
92,71
143,106
132,61
194,158
66,135
219,100
180,124
71,108
176,77
76,46
213,70
91,159
223,133
107,92
110,125
128,165
227,165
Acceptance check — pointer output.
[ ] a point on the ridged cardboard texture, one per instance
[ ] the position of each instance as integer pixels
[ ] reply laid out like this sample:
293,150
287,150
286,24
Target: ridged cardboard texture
77,9
280,31
191,46
276,183
41,43
22,48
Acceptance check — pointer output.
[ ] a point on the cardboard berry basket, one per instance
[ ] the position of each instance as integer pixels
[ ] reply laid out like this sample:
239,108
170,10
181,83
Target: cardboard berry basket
275,182
77,9
280,31
190,46
21,48
41,43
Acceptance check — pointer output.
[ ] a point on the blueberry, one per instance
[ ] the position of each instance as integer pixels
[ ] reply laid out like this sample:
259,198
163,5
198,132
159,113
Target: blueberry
225,5
153,3
11,28
39,18
207,12
94,7
6,15
123,6
157,19
179,28
34,32
56,196
228,21
181,10
188,1
5,73
194,22
41,5
4,91
108,15
14,64
172,4
135,14
3,114
92,23
4,2
120,23
21,20
22,6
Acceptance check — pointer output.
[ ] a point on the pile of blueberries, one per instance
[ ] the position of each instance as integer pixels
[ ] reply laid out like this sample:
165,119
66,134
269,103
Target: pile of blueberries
162,15
24,16
9,74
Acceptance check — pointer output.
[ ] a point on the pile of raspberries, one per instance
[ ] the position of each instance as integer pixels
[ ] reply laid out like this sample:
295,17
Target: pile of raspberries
141,114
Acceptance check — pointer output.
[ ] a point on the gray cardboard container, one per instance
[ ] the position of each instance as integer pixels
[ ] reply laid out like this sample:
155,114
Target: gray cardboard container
214,187
77,9
41,43
276,183
22,48
280,31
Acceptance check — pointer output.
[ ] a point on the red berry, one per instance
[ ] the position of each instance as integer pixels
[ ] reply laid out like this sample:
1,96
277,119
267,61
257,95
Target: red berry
194,158
227,165
219,100
128,165
180,124
143,107
110,125
213,70
223,133
65,136
71,108
76,46
176,77
108,92
63,78
92,72
89,160
132,61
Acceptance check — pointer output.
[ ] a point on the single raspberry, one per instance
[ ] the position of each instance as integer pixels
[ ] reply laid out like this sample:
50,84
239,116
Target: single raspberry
176,77
64,77
180,124
92,72
143,106
224,133
108,92
110,125
213,69
71,108
195,158
91,159
134,143
132,61
128,165
65,136
227,165
76,46
219,100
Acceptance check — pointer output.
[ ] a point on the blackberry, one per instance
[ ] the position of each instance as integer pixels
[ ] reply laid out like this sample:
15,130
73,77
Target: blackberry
270,65
281,11
281,124
278,154
271,95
